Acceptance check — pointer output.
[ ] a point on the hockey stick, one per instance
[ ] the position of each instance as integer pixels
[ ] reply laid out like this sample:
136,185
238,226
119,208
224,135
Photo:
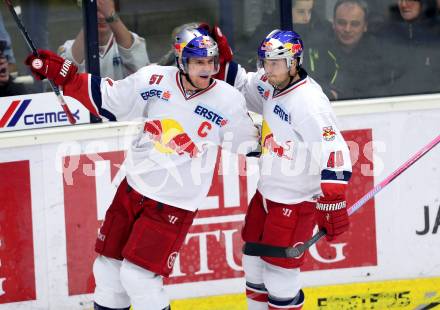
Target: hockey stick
259,249
32,47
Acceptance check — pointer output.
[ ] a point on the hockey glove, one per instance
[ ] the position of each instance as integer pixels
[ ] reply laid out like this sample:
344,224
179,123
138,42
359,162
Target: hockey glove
224,51
331,211
50,65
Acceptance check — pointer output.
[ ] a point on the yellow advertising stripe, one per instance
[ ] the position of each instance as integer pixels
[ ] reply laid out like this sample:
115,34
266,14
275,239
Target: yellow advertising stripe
223,302
400,294
397,294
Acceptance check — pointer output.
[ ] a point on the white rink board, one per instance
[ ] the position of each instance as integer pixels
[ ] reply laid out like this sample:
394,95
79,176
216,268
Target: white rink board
38,111
398,132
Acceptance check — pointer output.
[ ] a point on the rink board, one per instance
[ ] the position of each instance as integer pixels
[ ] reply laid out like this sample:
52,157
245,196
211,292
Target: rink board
403,295
55,186
41,110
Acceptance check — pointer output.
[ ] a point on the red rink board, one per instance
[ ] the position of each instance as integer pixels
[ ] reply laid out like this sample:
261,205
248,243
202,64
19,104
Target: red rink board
17,269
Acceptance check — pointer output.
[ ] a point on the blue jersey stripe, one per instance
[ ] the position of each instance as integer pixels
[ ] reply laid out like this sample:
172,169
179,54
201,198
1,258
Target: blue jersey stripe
107,114
95,85
97,98
232,73
335,175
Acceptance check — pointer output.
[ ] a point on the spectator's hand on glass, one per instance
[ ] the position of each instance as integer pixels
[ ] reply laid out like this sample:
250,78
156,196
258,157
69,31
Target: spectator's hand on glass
106,7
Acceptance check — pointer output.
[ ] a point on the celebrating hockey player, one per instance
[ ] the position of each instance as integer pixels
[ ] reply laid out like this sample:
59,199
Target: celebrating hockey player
187,117
304,170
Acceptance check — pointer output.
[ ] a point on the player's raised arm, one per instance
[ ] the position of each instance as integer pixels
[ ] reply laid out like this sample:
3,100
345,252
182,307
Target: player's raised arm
103,97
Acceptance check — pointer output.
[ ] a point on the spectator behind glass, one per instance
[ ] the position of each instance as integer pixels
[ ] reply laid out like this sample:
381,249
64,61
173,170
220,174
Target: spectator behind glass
7,52
35,17
411,47
121,52
7,85
312,28
350,66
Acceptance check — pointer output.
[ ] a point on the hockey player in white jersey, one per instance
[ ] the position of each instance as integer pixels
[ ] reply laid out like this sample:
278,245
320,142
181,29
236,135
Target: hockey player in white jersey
187,116
304,170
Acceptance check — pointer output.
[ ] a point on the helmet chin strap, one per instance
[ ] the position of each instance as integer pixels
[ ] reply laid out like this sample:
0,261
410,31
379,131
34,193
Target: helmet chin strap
190,81
182,72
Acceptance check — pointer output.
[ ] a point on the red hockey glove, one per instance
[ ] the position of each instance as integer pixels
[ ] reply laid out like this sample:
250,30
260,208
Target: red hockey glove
224,51
50,65
331,211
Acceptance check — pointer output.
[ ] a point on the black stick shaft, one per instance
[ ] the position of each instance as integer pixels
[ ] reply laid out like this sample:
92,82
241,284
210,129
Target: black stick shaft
32,47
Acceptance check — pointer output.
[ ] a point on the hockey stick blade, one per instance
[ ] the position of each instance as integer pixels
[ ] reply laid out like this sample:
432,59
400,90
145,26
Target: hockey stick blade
259,249
32,47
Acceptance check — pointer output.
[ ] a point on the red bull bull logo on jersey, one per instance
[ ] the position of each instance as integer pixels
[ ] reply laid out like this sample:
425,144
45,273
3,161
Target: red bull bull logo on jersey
270,146
328,133
169,137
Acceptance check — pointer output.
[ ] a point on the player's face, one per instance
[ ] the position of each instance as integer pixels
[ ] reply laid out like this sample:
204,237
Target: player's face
349,24
200,71
276,71
302,11
410,9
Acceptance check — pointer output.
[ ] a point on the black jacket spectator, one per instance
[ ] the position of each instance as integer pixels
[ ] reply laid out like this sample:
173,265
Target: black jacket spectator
11,88
411,48
7,85
350,74
349,65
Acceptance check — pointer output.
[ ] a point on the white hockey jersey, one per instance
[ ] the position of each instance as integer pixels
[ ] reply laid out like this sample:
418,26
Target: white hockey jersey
115,61
301,143
172,160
